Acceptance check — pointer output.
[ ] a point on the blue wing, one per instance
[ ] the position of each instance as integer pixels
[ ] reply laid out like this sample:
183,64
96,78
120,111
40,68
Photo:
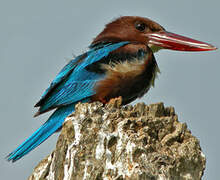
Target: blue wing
74,82
63,73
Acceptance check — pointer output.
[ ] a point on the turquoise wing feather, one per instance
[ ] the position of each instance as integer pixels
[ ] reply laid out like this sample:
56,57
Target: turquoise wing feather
74,82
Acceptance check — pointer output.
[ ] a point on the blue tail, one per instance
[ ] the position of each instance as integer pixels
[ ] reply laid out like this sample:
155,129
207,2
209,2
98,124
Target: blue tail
54,122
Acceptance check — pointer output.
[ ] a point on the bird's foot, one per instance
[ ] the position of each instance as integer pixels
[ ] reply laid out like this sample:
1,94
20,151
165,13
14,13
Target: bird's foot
115,102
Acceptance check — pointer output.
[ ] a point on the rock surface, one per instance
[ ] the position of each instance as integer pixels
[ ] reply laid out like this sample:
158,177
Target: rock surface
114,143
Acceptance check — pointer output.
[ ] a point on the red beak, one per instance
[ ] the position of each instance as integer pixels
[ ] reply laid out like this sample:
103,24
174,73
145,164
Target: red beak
173,41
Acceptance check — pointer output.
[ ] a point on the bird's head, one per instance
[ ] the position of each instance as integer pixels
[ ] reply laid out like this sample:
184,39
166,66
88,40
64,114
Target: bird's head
145,31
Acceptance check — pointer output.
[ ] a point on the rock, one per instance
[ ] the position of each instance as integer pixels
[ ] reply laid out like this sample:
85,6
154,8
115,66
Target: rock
131,142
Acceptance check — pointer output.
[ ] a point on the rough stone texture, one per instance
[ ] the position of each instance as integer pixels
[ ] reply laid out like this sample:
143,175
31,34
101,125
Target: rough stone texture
115,143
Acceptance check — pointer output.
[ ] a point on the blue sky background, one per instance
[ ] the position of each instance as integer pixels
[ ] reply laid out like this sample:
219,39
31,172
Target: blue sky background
38,37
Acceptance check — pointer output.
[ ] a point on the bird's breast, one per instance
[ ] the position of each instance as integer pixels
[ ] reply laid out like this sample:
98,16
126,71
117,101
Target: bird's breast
129,79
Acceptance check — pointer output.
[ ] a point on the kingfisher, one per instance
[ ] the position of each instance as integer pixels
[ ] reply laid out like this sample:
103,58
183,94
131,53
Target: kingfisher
119,62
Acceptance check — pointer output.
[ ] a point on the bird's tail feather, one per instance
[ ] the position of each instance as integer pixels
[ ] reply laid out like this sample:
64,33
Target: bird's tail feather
54,122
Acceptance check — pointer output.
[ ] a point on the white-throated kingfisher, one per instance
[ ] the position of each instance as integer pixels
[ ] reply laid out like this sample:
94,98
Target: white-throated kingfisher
119,62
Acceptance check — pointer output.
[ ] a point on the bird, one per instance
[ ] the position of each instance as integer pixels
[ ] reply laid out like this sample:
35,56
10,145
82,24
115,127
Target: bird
119,62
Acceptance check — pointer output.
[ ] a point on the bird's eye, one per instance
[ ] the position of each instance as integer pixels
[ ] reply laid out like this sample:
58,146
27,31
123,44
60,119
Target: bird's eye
140,26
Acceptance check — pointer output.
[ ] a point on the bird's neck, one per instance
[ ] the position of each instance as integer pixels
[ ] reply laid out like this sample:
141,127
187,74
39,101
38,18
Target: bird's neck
126,53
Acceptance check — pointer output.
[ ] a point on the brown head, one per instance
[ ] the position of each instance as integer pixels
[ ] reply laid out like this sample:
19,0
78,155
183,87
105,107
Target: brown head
145,31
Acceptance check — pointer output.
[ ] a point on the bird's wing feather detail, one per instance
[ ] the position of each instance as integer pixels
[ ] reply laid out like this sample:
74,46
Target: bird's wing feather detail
69,93
74,82
61,76
96,55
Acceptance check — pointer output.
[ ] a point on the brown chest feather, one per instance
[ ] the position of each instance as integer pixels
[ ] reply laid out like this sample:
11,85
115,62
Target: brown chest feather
128,79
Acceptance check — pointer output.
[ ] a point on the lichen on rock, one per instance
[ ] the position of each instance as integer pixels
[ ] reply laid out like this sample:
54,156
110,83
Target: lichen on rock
128,142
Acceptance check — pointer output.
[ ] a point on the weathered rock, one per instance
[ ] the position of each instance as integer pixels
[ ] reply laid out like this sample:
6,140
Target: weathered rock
131,142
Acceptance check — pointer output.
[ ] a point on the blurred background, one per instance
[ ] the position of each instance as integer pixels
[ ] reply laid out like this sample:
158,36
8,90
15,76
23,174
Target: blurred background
37,38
